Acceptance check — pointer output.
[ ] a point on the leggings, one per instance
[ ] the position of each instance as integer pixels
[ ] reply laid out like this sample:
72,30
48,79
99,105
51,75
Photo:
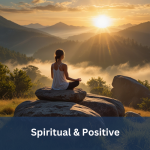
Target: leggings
72,85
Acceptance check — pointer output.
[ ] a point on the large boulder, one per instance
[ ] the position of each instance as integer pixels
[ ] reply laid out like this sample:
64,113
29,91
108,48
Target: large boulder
129,91
42,108
105,106
47,93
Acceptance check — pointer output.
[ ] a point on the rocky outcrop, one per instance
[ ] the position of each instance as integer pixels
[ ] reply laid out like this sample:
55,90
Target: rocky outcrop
75,95
105,106
129,91
42,108
69,103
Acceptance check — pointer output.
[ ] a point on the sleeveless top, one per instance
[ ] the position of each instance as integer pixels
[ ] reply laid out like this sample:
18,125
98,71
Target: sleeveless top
59,79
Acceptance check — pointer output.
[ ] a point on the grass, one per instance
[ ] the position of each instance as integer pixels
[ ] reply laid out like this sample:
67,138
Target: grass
141,112
7,108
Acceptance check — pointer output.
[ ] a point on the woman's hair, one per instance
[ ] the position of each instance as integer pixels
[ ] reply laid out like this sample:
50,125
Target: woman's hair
58,54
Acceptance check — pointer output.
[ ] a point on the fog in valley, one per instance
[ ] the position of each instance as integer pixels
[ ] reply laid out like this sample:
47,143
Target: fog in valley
85,71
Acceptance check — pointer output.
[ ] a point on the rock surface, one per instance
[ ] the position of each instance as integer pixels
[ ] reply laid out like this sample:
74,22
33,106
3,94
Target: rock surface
106,107
42,108
47,93
129,91
134,116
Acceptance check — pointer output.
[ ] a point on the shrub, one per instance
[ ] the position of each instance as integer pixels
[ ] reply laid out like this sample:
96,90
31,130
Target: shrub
104,91
93,82
145,105
145,83
97,90
7,111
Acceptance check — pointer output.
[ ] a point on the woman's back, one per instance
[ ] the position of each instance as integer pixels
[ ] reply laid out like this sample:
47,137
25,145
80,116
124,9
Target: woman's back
59,79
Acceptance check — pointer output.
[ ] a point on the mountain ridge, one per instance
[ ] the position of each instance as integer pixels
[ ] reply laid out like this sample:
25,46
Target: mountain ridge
140,33
22,39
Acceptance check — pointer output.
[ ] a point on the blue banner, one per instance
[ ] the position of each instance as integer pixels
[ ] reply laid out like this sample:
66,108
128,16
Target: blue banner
74,133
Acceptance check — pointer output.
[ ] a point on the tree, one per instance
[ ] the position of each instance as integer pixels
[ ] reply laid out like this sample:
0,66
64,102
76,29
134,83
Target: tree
7,87
98,86
32,72
145,105
99,82
145,83
22,82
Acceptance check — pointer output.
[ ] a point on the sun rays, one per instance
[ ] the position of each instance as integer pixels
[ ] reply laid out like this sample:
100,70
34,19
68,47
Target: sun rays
102,21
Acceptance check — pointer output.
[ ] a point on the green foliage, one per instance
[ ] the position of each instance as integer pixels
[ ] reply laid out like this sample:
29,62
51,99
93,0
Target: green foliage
13,84
145,105
7,87
22,82
97,90
98,86
93,82
145,83
18,83
32,71
6,54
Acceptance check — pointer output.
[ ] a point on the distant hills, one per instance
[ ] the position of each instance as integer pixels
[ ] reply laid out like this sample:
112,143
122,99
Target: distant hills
101,50
140,33
81,37
47,52
124,26
14,57
22,39
85,36
35,26
64,31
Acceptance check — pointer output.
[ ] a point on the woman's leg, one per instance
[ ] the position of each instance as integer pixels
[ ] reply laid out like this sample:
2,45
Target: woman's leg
72,85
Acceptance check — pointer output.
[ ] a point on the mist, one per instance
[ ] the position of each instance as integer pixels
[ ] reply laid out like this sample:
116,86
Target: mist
85,72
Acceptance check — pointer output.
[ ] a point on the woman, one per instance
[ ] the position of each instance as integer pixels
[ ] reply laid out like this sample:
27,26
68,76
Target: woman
59,74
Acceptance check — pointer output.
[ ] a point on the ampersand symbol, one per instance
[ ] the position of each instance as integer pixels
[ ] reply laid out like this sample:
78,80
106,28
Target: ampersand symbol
76,132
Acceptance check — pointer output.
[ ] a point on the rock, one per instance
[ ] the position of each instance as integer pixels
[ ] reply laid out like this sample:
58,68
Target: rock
106,107
42,108
129,91
47,93
134,116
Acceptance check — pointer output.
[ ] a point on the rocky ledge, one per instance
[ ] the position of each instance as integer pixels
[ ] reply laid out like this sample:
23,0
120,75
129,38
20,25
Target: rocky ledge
69,104
47,93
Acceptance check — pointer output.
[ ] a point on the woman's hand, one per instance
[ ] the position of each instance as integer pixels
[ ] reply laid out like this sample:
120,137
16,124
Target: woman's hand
79,79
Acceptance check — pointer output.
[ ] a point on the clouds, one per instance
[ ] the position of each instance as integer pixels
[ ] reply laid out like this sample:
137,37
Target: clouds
45,5
41,1
38,1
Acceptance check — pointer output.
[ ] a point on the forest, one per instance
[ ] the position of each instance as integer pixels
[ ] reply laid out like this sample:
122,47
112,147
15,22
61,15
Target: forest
102,50
6,54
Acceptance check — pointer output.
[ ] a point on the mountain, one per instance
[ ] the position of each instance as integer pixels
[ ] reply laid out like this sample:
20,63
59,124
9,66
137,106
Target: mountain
47,52
34,26
93,32
101,50
14,57
64,31
140,33
124,26
22,39
61,26
81,37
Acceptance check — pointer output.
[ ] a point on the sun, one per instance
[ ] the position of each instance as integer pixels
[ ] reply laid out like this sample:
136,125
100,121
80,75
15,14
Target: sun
102,21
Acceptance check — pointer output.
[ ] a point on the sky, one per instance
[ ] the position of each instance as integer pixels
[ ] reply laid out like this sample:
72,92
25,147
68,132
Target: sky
75,12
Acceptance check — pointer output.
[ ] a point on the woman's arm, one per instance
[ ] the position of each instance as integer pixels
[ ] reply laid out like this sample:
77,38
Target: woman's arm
67,75
52,71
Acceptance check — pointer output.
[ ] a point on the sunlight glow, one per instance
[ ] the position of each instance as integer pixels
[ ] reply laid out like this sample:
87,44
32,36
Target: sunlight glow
102,21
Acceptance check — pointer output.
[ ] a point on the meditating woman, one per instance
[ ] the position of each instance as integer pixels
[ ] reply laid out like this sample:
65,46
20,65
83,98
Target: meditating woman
59,73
